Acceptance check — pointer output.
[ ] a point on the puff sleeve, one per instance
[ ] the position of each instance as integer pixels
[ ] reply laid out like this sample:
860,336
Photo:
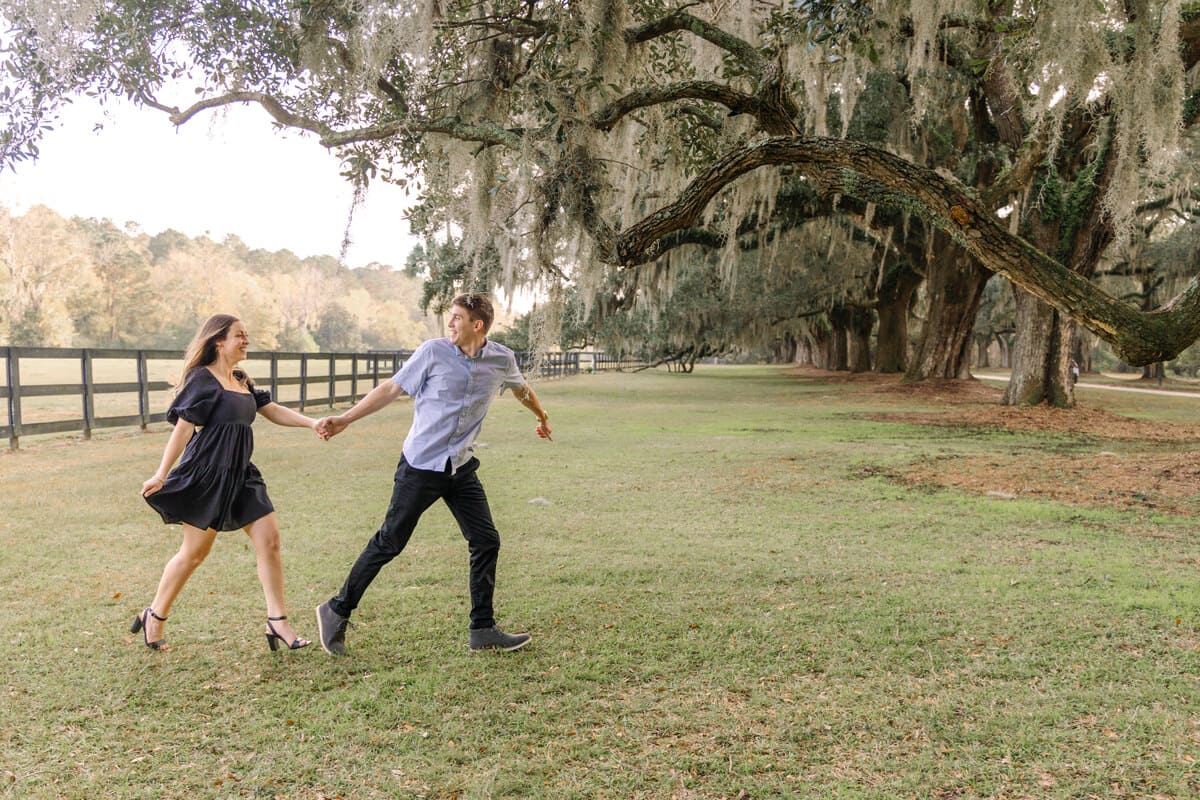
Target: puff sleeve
196,399
261,396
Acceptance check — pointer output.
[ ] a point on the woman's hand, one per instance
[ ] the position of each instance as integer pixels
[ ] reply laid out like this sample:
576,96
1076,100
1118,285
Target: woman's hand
328,427
151,486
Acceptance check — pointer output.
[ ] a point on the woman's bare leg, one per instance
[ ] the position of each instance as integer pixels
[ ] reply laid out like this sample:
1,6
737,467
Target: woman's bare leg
264,535
192,552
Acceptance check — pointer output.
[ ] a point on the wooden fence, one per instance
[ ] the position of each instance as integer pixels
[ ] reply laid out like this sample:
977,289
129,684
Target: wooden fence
298,380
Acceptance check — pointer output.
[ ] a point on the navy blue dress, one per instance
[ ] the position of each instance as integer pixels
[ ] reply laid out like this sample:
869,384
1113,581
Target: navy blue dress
214,485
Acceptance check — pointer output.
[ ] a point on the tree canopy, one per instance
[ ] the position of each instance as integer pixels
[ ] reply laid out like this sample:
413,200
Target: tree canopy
581,141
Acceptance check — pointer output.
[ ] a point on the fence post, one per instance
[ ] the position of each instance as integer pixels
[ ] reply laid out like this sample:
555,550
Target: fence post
14,399
354,379
143,389
89,389
275,377
332,379
303,387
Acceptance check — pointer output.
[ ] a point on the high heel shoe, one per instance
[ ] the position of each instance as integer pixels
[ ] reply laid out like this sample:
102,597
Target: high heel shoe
139,624
273,637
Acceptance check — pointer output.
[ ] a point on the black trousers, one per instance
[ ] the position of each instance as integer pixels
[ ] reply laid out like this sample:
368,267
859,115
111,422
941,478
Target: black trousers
414,492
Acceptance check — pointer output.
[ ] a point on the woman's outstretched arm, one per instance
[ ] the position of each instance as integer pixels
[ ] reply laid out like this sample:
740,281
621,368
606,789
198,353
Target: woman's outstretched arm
287,417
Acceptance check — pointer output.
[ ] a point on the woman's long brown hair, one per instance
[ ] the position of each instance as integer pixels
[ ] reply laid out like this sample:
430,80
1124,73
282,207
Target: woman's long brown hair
202,350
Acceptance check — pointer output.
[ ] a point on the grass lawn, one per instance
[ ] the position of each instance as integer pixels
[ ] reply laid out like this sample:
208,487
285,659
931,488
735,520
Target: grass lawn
728,597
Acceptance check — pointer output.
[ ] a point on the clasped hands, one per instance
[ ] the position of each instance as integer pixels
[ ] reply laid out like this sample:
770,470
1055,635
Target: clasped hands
328,427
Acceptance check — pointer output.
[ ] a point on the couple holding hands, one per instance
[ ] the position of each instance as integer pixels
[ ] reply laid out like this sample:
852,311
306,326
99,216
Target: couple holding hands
216,488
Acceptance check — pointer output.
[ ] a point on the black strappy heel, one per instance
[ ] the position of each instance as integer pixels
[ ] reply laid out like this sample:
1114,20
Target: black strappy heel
139,624
273,637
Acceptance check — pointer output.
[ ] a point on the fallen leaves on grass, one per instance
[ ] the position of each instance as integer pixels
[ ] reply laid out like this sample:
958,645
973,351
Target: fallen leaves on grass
1166,481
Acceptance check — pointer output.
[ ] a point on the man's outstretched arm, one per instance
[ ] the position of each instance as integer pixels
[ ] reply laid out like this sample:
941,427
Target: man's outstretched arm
374,400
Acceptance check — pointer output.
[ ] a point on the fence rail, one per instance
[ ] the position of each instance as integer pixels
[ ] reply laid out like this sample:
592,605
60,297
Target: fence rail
323,379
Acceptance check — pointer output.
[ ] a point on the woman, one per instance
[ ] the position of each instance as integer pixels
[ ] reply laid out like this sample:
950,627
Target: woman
215,487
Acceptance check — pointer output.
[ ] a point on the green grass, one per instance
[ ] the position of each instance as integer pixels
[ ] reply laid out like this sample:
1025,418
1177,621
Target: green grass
727,596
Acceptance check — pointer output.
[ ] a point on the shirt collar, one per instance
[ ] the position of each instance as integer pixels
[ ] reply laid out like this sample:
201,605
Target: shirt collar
482,348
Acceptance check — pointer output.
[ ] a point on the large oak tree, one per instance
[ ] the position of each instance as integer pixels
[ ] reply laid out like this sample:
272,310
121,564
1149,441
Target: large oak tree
581,139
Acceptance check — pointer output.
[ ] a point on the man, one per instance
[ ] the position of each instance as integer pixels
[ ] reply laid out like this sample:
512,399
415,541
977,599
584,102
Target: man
452,382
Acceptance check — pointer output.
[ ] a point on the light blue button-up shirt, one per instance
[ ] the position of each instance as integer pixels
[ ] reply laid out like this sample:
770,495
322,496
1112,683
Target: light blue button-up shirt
452,393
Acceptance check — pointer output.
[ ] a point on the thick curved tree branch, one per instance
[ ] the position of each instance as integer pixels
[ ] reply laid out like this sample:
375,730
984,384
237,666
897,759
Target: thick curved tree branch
737,102
771,104
1139,337
484,133
272,106
683,21
704,237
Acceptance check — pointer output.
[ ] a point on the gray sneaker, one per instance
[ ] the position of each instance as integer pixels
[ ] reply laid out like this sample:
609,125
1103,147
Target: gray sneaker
331,630
495,639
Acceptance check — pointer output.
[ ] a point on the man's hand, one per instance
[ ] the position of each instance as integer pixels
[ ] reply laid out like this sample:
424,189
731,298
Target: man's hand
328,427
543,430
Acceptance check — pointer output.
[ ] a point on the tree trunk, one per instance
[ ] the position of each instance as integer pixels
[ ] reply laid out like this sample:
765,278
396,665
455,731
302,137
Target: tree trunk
818,346
981,352
783,350
1154,372
1041,355
839,319
1045,337
955,282
824,357
792,351
858,336
804,351
895,300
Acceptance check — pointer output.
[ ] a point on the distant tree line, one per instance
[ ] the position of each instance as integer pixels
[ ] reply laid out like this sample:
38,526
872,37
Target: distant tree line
89,283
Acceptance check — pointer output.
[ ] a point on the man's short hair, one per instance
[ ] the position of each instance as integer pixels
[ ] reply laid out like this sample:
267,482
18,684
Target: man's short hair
478,306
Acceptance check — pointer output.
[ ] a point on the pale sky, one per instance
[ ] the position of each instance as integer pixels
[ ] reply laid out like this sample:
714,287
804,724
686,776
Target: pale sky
225,172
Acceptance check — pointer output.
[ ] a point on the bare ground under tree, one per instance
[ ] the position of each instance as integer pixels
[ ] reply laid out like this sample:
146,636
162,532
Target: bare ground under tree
1165,478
